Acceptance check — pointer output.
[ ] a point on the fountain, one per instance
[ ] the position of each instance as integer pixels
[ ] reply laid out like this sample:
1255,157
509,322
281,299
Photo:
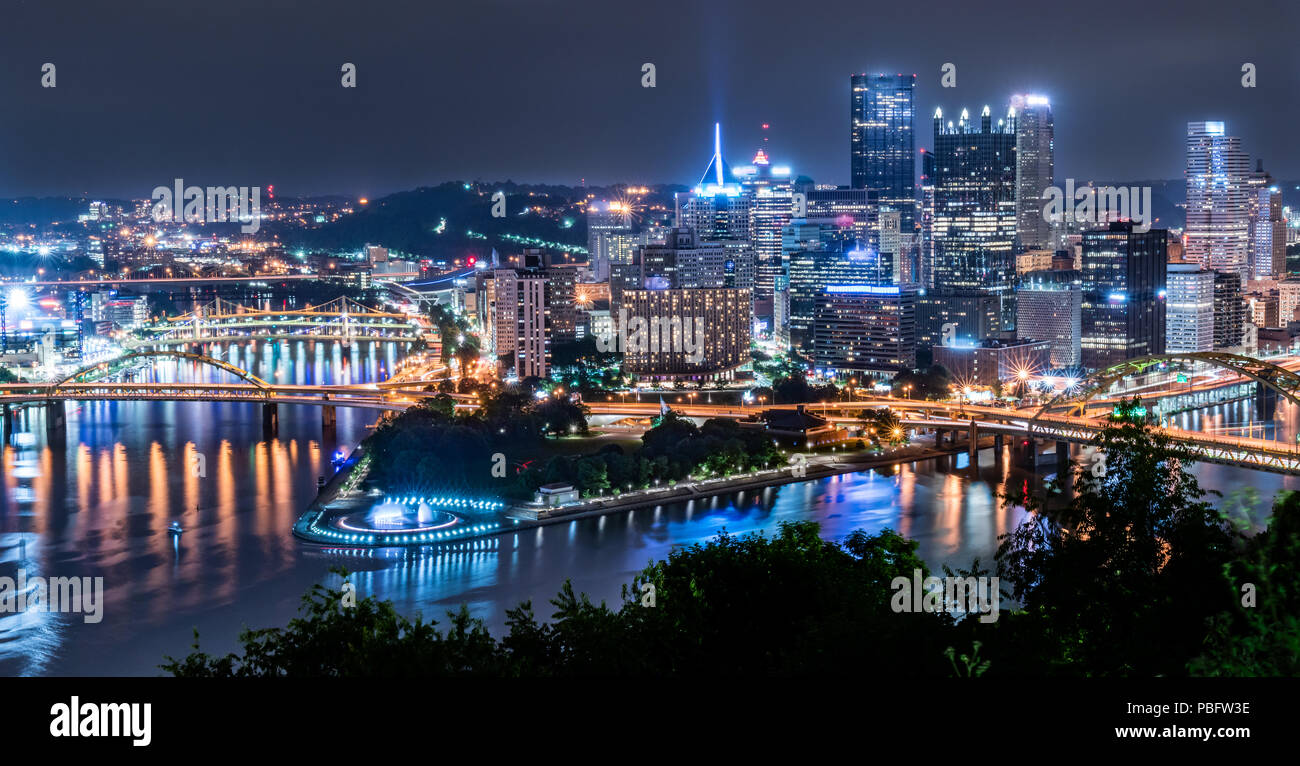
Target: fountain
398,520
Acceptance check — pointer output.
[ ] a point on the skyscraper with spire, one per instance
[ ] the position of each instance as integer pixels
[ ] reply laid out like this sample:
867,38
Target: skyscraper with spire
717,208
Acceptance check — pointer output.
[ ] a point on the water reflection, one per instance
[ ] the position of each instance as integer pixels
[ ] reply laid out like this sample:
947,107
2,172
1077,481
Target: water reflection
100,505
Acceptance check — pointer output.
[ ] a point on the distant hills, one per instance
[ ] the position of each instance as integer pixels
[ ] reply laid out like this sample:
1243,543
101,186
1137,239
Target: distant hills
455,219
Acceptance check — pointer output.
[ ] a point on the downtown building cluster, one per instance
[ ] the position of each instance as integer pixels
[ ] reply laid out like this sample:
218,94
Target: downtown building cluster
947,253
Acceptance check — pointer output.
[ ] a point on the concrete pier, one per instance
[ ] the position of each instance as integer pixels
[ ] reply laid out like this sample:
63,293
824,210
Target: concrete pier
56,421
270,420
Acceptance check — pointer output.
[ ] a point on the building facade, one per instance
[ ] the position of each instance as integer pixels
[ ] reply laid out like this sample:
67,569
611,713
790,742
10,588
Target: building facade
1218,200
883,142
1189,313
1049,307
713,340
867,329
974,227
1123,312
1035,170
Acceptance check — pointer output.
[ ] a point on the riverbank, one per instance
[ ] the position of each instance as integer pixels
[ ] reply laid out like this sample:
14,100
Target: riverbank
816,467
521,517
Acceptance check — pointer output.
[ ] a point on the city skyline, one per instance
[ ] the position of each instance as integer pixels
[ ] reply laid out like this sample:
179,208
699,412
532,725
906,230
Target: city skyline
431,109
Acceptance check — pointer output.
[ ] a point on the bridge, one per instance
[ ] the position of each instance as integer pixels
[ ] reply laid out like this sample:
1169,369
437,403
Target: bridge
113,282
949,421
946,419
342,320
1074,416
97,382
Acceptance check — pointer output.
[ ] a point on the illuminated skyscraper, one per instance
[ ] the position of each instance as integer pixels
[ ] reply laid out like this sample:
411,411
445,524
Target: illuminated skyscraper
770,193
604,220
718,207
1189,315
974,216
1035,170
1124,273
883,145
1218,200
1267,226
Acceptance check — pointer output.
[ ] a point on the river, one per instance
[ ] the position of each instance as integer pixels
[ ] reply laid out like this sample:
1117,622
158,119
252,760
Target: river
100,505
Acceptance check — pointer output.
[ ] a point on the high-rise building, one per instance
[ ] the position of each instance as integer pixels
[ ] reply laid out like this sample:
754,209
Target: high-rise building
718,206
1218,200
819,253
1123,313
869,329
856,210
925,253
1229,311
1035,170
1189,312
1267,226
883,144
974,226
781,312
1049,307
771,206
605,219
683,261
769,213
520,321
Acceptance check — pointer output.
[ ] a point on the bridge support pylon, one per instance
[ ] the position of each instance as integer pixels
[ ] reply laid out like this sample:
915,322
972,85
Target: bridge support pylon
56,421
1062,458
974,446
329,420
997,448
1025,453
1265,402
270,420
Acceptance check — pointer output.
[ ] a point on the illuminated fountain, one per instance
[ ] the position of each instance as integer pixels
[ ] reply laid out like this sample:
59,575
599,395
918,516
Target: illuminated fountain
407,520
402,515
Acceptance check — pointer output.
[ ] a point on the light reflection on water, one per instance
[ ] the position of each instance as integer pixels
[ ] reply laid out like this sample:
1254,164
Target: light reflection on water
101,505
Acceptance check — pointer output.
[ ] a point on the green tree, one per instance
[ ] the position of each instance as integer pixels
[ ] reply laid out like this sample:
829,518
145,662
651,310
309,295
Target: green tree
1259,634
1120,575
883,425
792,603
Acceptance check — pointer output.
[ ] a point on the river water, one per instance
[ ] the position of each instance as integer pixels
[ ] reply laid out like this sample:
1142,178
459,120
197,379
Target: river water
100,505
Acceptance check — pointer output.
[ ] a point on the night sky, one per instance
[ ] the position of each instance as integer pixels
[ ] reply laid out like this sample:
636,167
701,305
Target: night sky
247,91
